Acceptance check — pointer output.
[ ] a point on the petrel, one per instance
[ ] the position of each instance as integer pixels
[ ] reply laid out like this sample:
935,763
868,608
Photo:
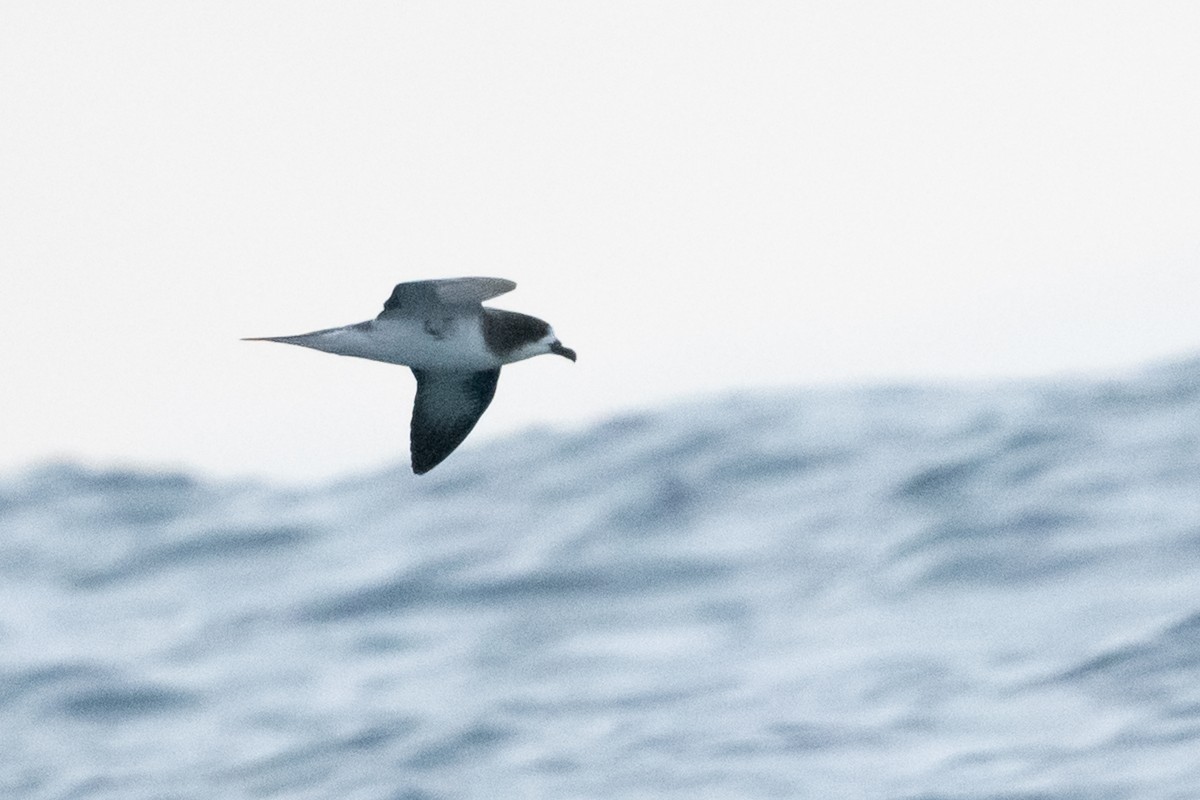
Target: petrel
455,347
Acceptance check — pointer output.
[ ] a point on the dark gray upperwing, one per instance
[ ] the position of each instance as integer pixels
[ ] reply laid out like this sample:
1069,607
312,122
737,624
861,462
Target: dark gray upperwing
414,297
447,407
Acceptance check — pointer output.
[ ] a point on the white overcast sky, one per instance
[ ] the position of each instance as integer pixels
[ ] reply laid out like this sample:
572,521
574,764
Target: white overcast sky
698,196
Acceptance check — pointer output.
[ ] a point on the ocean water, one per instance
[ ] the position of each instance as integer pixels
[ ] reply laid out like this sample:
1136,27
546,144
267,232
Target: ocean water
982,591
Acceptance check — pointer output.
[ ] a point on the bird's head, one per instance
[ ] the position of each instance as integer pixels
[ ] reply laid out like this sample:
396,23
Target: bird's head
516,337
548,342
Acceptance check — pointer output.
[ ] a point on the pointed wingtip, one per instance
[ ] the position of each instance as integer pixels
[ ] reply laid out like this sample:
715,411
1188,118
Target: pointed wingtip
423,461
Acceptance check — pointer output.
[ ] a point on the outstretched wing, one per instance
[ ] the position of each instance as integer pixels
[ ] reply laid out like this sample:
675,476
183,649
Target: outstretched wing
447,407
410,298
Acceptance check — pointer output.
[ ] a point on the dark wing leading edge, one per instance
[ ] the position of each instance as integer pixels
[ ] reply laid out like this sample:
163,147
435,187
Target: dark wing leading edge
409,298
447,407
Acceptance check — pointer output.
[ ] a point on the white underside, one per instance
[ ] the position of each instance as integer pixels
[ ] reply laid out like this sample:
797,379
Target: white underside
458,346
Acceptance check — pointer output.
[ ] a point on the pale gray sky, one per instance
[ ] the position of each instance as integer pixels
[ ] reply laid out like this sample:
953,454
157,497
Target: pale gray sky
697,195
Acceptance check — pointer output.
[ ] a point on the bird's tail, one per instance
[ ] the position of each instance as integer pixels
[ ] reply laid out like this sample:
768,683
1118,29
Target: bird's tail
347,340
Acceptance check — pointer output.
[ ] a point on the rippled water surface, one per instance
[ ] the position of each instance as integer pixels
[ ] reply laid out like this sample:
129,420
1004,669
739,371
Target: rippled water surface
980,592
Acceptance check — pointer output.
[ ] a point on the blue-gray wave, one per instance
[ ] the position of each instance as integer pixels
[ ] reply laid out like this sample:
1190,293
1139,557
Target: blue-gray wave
958,591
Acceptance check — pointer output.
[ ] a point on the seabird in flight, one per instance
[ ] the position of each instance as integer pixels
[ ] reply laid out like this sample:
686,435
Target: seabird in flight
455,347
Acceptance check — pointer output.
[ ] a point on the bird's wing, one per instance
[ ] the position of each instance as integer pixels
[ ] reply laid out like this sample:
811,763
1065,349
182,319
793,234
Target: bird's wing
412,297
447,407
